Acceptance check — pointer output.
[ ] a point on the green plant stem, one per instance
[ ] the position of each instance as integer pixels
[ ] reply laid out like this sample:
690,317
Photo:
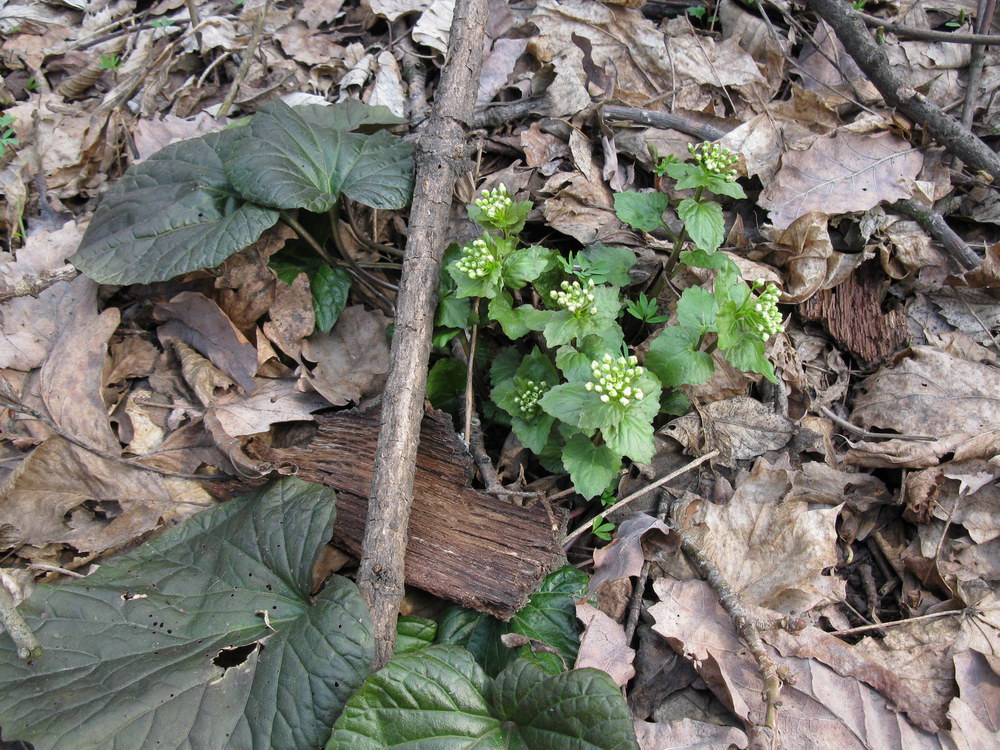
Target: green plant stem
470,364
373,294
679,242
370,244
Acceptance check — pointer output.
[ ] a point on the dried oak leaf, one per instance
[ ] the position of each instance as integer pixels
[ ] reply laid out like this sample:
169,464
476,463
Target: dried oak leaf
841,173
770,549
820,710
65,494
603,645
350,358
927,391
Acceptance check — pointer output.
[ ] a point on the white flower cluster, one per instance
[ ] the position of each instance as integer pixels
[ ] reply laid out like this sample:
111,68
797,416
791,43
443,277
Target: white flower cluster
766,314
495,203
612,378
477,261
528,394
575,297
718,160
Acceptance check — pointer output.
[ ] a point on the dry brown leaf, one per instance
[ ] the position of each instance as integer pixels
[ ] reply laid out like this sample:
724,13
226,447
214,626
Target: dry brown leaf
30,324
209,383
841,173
273,401
687,734
433,28
246,283
498,67
200,323
821,710
72,376
907,671
624,556
292,316
350,358
771,550
603,645
975,714
160,131
580,208
806,250
308,45
739,428
44,499
926,391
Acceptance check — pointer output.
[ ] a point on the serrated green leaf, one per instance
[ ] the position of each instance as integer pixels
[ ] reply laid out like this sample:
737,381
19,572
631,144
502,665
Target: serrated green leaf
703,259
747,353
446,384
527,264
642,211
609,265
453,312
330,288
703,221
504,365
675,359
414,633
303,157
477,632
632,436
516,321
450,703
175,212
591,467
697,309
129,650
569,402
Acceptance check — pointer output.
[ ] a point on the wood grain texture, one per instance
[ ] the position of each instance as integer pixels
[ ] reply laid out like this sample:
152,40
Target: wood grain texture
464,545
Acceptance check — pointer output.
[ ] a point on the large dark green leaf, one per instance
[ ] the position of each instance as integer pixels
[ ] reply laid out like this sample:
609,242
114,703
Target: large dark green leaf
303,157
439,697
176,212
130,651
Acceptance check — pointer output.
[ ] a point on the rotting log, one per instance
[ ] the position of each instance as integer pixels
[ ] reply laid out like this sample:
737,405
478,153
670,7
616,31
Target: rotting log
464,545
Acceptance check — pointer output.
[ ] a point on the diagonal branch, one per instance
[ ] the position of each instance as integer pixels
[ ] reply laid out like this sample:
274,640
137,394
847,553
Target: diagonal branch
440,159
897,92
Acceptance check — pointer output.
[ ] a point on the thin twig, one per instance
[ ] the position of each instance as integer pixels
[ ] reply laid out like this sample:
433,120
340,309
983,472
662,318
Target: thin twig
9,401
28,646
248,53
935,225
701,131
894,623
639,493
868,434
748,628
32,285
905,32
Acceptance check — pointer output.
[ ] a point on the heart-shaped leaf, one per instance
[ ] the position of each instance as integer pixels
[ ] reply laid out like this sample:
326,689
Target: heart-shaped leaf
204,637
176,212
305,158
448,701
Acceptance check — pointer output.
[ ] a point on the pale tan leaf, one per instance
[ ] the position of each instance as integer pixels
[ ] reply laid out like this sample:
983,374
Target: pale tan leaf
273,401
60,479
687,734
841,173
350,358
927,391
819,711
771,550
31,324
603,645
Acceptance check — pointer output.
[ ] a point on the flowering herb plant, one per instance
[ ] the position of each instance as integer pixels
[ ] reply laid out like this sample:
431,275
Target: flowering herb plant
580,398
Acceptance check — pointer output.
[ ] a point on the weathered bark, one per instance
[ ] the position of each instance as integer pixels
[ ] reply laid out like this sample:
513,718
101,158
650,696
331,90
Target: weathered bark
440,158
464,545
852,313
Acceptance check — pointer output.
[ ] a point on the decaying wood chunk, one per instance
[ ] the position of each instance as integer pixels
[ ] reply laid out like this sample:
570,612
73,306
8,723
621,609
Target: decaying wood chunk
464,545
852,313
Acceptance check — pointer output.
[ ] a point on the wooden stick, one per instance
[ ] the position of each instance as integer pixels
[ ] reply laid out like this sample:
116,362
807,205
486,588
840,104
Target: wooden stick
440,158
